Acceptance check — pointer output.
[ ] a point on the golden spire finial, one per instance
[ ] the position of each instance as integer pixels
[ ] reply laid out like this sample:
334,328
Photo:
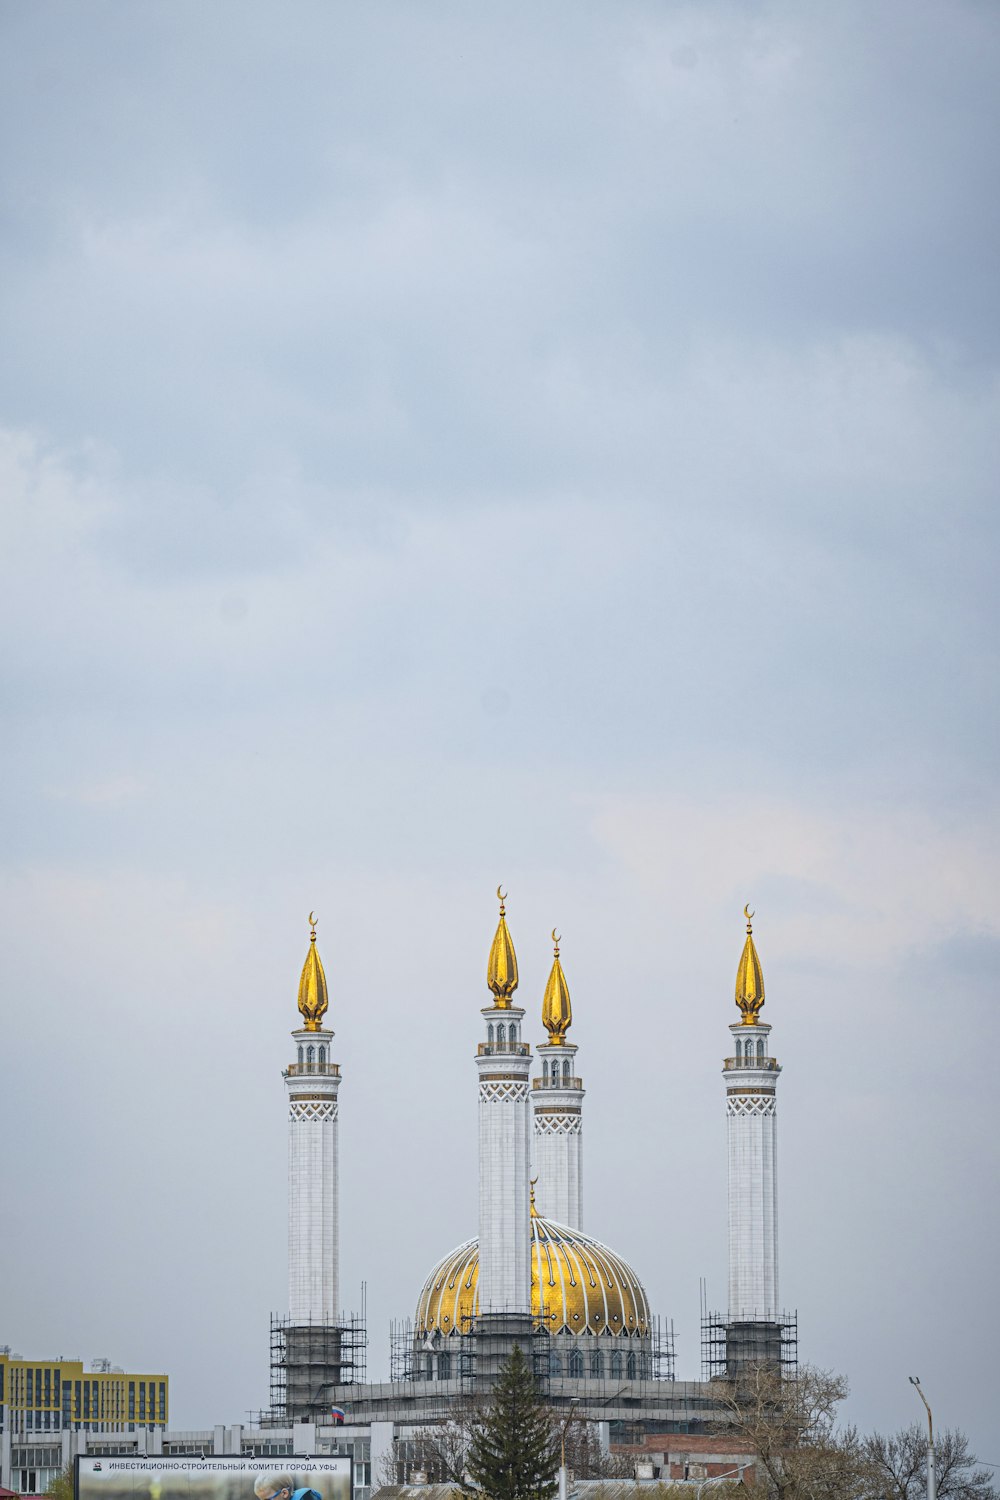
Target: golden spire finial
313,996
557,1012
749,976
534,1210
501,970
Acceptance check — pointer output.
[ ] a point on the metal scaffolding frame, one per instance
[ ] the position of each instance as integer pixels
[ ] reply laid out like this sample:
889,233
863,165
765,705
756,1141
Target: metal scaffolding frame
308,1358
731,1346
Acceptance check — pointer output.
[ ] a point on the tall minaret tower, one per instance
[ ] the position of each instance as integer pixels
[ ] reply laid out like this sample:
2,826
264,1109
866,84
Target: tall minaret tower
557,1099
312,1083
504,1062
751,1077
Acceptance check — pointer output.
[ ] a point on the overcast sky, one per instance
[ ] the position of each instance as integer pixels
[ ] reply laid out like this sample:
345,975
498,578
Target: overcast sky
445,444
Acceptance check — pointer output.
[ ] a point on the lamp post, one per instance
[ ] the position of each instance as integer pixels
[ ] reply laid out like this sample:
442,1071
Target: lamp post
931,1477
563,1476
719,1478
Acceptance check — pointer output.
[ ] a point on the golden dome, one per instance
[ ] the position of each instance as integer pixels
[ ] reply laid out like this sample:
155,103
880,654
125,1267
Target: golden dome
557,1012
578,1285
313,997
749,977
501,970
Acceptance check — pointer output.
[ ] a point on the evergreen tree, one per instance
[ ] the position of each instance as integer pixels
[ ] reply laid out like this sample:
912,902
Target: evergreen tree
514,1453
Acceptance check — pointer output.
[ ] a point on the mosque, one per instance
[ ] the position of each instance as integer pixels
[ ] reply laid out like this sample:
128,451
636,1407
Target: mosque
532,1276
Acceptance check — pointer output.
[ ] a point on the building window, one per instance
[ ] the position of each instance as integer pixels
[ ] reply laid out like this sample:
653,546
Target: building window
555,1363
565,1070
630,1367
760,1048
616,1365
489,1034
310,1055
596,1365
513,1035
444,1366
576,1365
322,1056
300,1054
501,1035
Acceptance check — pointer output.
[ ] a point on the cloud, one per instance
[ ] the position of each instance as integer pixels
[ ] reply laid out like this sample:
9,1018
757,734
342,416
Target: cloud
442,445
851,887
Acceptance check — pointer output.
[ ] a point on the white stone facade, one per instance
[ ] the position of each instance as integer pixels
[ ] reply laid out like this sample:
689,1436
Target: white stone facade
312,1084
751,1078
557,1099
503,1063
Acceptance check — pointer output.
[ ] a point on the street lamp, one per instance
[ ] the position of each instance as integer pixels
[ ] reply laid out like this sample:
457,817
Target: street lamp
718,1478
563,1476
931,1478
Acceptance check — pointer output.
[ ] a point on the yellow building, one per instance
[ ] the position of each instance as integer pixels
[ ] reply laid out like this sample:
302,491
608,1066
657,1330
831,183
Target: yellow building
56,1395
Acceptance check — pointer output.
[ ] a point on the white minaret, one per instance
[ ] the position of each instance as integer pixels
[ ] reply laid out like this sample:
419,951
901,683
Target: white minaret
503,1063
312,1082
751,1077
557,1100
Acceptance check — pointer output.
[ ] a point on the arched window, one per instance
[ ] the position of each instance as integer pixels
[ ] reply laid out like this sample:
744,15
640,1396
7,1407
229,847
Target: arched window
322,1055
300,1054
739,1049
513,1035
489,1033
310,1054
501,1036
596,1365
565,1070
444,1367
760,1049
555,1363
545,1070
576,1365
616,1365
630,1367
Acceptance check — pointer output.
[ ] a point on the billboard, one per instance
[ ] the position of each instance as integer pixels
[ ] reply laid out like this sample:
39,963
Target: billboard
299,1477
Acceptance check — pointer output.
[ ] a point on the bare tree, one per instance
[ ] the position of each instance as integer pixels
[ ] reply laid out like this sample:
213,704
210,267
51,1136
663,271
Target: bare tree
586,1458
789,1424
895,1467
440,1450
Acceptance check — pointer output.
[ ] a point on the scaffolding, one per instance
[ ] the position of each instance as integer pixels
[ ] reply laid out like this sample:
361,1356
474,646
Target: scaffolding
308,1359
730,1347
459,1356
488,1341
663,1354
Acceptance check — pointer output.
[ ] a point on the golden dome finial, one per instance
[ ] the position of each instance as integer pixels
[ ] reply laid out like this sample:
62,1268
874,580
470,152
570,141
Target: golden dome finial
313,996
557,1012
534,1210
501,971
749,976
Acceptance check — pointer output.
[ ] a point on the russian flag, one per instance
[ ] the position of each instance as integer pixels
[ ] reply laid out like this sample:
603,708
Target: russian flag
338,1413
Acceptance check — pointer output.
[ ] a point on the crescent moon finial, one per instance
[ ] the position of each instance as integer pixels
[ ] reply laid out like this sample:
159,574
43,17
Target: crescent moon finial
501,897
312,924
749,915
556,939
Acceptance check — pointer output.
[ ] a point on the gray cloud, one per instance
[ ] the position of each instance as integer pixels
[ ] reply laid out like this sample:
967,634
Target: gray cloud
557,445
